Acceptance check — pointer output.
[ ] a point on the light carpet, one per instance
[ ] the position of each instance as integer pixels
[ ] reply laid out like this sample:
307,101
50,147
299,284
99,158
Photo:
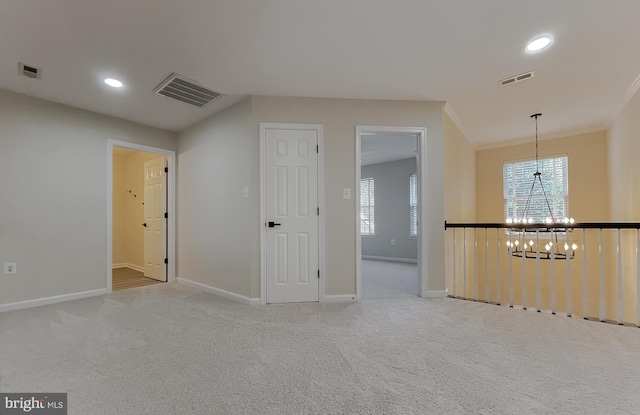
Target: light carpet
170,349
386,279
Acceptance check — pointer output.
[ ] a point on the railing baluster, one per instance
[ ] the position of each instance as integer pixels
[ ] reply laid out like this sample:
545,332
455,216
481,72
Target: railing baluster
620,316
553,281
637,277
454,262
475,264
464,263
510,272
538,270
568,259
602,299
585,293
524,272
486,265
498,295
603,314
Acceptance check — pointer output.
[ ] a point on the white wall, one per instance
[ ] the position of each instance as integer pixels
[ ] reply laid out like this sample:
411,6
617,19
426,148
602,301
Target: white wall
218,240
53,209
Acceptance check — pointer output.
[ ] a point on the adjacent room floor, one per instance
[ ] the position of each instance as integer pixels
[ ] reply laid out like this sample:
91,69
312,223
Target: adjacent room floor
125,278
385,279
170,349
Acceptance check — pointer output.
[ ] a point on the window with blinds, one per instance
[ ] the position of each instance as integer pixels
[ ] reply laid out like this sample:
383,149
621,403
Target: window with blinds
367,205
413,206
518,179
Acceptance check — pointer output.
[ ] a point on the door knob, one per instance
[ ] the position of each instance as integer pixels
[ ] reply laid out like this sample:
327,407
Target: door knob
144,224
273,224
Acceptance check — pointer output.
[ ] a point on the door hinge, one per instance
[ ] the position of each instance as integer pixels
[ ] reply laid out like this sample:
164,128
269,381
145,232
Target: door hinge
317,149
318,211
166,169
166,260
166,215
318,274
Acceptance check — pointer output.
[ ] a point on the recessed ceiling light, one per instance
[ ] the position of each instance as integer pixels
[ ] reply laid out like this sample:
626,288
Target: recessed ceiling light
539,43
113,82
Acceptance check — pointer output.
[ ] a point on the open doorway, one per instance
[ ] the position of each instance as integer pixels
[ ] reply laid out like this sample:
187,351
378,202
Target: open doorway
139,218
387,195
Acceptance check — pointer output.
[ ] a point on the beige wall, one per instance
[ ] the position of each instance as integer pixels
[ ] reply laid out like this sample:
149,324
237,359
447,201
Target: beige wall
624,182
588,175
459,189
588,202
119,224
339,118
218,241
53,163
459,175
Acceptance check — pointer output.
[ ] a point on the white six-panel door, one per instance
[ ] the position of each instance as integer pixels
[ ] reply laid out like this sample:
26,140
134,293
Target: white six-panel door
291,197
155,248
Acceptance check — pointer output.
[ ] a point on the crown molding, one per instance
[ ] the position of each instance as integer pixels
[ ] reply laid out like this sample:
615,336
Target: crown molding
456,121
562,134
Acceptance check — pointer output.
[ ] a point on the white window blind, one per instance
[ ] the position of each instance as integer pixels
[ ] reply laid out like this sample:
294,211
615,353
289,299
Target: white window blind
367,207
413,206
518,179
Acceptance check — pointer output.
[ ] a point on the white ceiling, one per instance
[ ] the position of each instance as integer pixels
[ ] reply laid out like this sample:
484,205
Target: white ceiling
380,147
441,50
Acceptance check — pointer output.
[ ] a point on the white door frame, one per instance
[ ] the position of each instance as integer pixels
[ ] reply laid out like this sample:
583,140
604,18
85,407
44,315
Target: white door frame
171,204
263,208
421,133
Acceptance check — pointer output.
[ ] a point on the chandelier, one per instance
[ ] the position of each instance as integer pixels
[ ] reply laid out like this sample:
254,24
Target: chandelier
521,244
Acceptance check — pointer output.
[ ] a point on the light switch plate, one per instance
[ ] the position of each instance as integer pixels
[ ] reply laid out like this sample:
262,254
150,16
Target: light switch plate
346,193
245,193
10,268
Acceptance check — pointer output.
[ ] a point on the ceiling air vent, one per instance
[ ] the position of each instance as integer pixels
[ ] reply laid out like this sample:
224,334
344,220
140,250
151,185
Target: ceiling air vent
28,71
186,90
517,78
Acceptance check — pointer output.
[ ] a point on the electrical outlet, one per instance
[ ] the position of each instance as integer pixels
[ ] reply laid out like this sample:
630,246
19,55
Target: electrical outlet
10,268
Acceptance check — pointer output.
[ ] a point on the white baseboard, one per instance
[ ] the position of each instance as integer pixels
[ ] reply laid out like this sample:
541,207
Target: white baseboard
128,265
51,300
218,291
390,259
436,294
342,298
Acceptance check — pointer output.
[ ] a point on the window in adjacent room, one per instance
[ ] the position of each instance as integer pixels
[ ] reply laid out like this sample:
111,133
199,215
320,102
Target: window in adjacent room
413,206
367,202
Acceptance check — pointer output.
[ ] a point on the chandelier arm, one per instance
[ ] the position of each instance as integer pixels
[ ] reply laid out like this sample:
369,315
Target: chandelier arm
526,206
545,198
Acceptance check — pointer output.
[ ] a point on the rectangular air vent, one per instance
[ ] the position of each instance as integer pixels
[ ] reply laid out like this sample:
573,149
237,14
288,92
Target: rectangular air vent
28,71
186,90
517,78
